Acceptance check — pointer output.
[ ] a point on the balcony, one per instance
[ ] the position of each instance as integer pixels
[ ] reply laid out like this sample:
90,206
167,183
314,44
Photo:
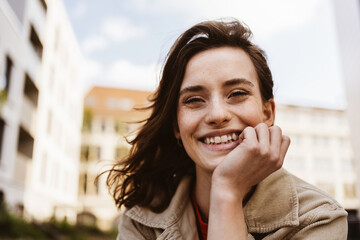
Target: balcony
29,108
32,62
28,116
21,169
36,42
25,143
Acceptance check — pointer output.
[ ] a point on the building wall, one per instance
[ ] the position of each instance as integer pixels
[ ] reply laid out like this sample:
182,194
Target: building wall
49,177
347,19
320,150
18,112
109,112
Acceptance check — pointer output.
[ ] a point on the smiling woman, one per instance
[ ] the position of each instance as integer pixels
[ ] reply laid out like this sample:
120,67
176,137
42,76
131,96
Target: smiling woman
207,163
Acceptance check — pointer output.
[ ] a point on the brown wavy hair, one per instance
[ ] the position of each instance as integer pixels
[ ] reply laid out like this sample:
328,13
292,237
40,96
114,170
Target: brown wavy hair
156,163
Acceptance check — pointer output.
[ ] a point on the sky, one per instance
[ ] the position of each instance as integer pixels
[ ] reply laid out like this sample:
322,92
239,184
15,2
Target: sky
125,42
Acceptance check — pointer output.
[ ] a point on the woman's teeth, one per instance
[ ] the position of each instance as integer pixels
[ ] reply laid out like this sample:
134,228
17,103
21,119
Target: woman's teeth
221,139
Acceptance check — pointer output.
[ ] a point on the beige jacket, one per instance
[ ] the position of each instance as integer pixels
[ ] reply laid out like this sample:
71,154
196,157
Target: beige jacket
282,207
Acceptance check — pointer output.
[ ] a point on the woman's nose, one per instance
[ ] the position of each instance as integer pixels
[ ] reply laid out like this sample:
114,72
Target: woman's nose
218,113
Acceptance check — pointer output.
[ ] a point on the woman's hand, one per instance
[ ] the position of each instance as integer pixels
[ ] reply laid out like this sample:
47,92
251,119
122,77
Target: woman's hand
261,151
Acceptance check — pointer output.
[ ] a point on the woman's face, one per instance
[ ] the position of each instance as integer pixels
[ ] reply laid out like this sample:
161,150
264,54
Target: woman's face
219,97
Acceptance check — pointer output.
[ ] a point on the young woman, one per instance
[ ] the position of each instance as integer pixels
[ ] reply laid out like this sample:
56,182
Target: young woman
207,162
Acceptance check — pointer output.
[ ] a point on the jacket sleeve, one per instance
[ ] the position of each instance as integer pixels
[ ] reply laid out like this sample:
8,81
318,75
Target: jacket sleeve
324,224
131,230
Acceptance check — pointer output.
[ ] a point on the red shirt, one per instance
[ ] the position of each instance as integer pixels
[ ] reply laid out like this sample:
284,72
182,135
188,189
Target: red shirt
201,223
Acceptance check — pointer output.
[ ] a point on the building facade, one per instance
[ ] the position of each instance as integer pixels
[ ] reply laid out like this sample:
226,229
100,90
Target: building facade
347,19
109,117
40,118
320,151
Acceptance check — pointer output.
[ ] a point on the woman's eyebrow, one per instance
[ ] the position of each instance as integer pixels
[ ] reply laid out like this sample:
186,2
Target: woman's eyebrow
195,88
236,81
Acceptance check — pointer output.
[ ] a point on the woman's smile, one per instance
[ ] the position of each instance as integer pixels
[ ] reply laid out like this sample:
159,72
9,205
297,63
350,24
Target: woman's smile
221,141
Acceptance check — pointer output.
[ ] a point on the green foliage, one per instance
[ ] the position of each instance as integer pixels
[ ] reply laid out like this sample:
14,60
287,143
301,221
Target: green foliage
12,227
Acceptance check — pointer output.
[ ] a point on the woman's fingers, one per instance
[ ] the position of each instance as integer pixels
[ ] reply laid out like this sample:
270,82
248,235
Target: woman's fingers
268,142
284,146
263,136
261,151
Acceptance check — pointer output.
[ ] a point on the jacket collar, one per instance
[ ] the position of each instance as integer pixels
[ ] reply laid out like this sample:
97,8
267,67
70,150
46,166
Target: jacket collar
170,215
273,205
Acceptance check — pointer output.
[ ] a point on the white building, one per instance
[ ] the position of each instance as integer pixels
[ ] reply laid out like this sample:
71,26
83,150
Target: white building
347,18
107,120
40,127
320,151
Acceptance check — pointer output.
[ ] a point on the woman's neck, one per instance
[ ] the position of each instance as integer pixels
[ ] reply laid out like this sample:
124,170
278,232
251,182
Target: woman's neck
202,191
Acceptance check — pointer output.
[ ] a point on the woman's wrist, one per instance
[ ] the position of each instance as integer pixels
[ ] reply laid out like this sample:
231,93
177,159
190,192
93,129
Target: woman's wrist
227,192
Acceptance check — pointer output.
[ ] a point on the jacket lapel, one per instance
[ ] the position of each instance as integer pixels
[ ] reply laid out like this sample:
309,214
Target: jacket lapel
273,205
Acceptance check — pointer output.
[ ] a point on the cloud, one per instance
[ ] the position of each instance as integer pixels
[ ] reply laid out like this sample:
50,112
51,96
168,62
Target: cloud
263,16
123,73
94,43
120,29
113,30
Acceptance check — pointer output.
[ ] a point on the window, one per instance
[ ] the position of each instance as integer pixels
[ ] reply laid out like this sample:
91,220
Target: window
5,81
103,125
25,143
84,153
93,154
83,184
2,127
31,90
35,42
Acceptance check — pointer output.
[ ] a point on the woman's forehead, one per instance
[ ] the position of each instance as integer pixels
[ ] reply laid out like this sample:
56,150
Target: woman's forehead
219,65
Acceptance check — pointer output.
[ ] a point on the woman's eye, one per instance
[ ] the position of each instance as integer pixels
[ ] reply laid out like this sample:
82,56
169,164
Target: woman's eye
193,100
238,93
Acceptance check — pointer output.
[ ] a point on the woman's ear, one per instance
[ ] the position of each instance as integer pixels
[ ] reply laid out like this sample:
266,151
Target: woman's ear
176,130
269,112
